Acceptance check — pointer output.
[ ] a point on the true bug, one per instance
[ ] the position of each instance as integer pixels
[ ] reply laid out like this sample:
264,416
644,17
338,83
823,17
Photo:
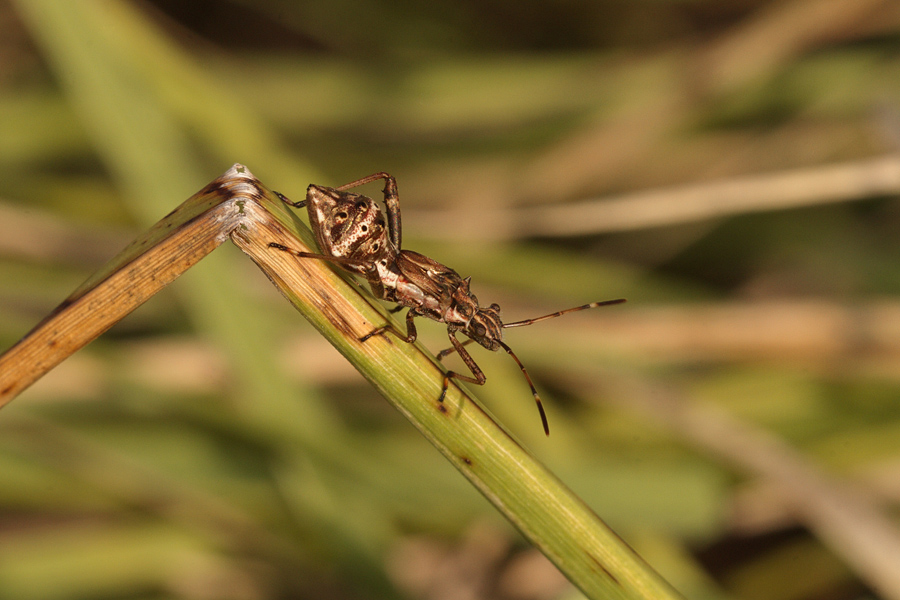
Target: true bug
352,231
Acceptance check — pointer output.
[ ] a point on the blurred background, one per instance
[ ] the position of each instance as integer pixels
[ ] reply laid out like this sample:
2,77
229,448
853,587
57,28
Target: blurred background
731,167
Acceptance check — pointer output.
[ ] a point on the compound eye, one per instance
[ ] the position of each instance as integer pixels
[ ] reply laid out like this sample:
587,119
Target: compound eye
479,330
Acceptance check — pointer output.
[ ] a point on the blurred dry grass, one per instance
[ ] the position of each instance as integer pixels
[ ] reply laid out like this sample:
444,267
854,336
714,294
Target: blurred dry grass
730,167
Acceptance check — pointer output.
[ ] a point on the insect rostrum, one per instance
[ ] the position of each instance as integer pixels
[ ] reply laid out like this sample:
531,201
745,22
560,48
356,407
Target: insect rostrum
353,232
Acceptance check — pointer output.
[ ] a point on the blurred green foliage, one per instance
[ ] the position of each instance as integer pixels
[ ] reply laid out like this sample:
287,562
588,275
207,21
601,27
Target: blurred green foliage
211,446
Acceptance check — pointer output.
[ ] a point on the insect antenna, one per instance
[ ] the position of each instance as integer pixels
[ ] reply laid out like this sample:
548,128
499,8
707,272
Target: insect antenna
509,351
562,312
537,399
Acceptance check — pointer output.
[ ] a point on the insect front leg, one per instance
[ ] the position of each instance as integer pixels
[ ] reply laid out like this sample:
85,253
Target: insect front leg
459,347
448,351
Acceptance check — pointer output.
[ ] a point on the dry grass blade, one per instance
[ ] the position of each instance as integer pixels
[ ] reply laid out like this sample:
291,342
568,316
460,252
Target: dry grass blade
146,266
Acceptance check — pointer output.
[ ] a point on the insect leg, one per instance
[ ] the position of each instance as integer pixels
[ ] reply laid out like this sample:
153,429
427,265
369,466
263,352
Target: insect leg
300,254
448,351
478,378
365,180
391,201
479,375
289,202
411,332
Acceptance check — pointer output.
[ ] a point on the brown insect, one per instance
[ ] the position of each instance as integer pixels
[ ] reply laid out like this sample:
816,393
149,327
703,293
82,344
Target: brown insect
352,231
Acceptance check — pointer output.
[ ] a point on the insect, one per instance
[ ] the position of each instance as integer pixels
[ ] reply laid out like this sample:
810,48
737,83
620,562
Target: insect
353,232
